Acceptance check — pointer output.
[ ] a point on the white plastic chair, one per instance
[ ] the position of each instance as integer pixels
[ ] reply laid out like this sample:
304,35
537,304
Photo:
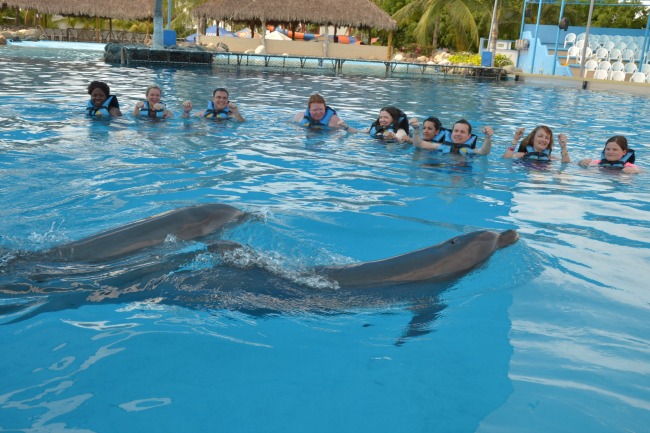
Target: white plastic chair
580,43
627,55
591,65
601,74
615,54
632,46
617,76
616,38
570,38
630,68
580,37
602,39
609,45
638,77
604,66
628,39
620,45
602,54
572,52
588,53
645,68
617,66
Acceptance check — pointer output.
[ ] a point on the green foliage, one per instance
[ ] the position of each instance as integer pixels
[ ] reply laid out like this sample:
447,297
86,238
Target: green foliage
501,60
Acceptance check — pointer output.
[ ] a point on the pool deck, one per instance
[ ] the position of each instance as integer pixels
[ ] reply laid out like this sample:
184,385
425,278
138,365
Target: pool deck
582,83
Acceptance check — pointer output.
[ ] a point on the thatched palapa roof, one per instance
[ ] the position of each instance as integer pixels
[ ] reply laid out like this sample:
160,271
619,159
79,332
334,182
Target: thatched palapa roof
117,9
348,13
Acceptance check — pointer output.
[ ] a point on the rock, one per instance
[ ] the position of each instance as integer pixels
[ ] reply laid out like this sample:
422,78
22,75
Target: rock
3,40
431,62
422,59
29,34
398,57
444,62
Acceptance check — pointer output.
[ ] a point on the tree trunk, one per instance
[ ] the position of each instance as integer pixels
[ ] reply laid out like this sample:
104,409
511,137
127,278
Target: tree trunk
436,33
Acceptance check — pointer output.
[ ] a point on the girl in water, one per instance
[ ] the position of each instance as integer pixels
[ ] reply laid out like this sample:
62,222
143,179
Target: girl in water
616,155
537,146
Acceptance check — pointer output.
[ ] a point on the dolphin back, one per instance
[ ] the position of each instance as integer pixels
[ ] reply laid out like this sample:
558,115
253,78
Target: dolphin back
184,224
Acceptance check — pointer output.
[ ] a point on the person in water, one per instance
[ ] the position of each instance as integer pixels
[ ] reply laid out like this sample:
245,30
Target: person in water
317,115
152,107
461,140
432,133
219,108
392,124
616,155
537,146
101,103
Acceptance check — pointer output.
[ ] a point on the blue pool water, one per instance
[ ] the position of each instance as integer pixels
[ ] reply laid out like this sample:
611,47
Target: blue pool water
551,334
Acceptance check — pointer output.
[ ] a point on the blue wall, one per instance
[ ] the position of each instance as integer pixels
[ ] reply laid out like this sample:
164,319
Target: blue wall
539,59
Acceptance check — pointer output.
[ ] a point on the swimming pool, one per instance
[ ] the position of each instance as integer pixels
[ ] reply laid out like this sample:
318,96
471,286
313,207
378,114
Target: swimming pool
550,334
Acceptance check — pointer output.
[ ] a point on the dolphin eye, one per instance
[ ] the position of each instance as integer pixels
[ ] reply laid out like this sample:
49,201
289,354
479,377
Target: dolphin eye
453,241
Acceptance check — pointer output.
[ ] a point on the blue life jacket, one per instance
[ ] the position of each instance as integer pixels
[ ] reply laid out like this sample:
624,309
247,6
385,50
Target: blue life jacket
532,155
158,114
101,111
628,157
451,147
402,122
309,122
211,113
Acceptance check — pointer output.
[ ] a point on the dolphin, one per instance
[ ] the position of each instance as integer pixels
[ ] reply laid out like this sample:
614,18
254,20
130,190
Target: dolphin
183,224
445,261
253,289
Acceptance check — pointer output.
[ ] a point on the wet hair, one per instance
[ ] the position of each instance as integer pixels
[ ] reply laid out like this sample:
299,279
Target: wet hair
436,122
618,139
463,122
99,85
220,89
399,118
153,86
622,142
528,141
316,99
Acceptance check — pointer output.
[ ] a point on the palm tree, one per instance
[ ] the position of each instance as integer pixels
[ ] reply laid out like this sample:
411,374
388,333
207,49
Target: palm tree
459,15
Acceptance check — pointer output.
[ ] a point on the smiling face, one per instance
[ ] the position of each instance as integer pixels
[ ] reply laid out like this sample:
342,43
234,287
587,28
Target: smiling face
541,140
460,133
317,110
429,130
153,96
613,151
385,119
98,97
220,100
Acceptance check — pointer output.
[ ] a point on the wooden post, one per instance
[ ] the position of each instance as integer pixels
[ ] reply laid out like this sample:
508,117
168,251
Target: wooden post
390,44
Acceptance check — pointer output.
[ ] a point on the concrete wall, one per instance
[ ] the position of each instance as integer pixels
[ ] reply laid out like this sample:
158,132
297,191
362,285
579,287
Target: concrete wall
301,48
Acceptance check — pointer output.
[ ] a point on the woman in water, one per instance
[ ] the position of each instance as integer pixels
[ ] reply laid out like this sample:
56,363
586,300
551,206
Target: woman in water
537,146
101,103
392,124
432,133
317,115
152,107
616,155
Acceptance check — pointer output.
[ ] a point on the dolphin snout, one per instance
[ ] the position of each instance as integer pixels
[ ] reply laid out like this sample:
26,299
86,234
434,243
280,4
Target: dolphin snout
508,237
